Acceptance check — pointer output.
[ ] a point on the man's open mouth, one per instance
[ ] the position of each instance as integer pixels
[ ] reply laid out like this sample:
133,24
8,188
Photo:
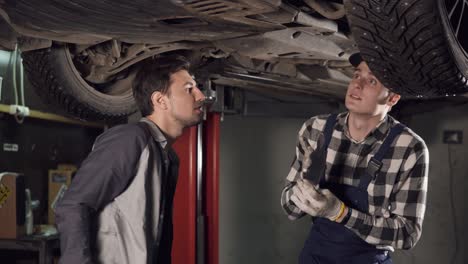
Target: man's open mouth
355,97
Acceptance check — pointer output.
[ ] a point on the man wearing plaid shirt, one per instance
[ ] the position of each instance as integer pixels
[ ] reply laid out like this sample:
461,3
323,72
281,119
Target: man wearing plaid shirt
361,175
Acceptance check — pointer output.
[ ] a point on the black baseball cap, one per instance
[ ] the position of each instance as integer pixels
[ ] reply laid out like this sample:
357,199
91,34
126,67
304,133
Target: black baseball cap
355,59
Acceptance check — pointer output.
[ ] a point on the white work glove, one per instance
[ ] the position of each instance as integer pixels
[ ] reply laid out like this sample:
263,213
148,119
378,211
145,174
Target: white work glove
316,202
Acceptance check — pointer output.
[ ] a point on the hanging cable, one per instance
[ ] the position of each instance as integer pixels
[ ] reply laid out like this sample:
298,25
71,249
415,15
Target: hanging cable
13,69
23,102
19,112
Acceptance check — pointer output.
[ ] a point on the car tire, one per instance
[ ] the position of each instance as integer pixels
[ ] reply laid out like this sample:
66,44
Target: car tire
55,78
410,45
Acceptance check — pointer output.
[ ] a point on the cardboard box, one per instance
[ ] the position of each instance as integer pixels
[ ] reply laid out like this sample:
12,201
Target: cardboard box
12,205
65,166
57,178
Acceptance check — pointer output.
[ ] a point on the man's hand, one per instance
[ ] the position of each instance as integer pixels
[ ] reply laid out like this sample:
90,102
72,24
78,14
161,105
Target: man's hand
315,202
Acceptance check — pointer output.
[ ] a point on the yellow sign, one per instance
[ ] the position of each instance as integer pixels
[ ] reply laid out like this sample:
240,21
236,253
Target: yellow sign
4,192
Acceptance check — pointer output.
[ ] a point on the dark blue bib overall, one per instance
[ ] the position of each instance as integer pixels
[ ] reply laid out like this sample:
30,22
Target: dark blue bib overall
330,242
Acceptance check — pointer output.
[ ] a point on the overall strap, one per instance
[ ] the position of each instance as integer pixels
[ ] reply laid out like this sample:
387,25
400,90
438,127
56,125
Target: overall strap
375,163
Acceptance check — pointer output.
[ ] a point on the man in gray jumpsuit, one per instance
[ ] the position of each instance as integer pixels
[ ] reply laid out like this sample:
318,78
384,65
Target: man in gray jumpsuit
118,208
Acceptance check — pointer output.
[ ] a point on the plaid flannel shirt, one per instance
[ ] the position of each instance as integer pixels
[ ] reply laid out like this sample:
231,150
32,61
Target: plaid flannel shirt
397,196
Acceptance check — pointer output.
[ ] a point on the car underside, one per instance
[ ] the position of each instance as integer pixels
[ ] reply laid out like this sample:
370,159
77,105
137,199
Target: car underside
82,54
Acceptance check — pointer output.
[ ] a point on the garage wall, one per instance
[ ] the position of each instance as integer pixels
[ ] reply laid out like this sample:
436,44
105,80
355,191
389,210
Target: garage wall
40,146
255,157
445,233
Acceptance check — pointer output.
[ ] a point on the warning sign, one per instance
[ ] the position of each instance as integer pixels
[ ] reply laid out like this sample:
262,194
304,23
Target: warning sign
4,192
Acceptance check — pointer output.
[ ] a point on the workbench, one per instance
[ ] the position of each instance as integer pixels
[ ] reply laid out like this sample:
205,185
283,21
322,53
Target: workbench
45,246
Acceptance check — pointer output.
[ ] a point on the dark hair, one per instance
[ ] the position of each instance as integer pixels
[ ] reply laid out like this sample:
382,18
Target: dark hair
154,74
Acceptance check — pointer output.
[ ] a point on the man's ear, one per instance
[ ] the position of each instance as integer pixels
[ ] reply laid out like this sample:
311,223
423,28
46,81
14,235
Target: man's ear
393,99
159,100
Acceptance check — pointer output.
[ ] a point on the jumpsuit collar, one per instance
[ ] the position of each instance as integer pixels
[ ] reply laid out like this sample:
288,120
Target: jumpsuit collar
378,133
156,132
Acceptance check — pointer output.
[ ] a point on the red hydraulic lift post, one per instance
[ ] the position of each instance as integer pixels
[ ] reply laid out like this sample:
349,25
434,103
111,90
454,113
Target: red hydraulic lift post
185,200
186,207
212,133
